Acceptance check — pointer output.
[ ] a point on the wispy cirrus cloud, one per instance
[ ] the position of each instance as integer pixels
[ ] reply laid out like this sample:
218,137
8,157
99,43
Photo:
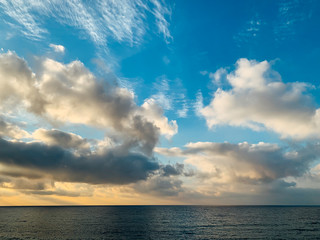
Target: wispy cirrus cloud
249,31
290,13
100,21
24,18
171,95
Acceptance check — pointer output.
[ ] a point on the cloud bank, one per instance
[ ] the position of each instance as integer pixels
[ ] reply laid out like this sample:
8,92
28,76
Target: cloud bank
54,162
244,173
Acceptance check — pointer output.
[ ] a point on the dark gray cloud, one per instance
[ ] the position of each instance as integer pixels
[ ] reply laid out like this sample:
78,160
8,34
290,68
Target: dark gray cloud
22,183
172,170
62,165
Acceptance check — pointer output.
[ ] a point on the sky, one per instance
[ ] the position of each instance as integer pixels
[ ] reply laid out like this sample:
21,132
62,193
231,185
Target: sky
159,102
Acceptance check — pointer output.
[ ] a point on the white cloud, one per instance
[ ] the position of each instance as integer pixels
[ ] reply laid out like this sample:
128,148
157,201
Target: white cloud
57,48
259,100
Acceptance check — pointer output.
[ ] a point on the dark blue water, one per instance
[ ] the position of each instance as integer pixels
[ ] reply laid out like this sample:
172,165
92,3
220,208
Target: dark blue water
160,222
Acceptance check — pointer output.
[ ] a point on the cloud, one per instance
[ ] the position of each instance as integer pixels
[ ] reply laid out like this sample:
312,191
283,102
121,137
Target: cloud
290,13
217,76
24,18
259,100
246,163
172,170
18,85
171,96
70,94
22,183
250,30
160,11
198,104
154,113
56,137
100,21
57,48
160,186
53,162
11,130
62,94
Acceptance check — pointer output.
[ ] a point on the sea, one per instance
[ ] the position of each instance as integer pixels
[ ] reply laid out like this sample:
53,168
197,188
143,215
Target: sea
160,222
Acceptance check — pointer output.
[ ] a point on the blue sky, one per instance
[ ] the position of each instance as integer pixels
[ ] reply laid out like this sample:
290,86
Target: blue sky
172,102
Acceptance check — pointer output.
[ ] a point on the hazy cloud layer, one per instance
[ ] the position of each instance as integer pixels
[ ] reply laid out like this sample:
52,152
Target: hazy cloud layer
258,99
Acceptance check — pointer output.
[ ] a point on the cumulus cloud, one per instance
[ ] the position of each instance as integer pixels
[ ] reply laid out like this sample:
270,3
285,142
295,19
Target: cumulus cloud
154,113
57,48
101,21
71,94
18,85
258,99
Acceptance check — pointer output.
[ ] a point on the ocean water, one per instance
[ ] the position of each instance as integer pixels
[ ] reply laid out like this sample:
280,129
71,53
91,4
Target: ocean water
160,222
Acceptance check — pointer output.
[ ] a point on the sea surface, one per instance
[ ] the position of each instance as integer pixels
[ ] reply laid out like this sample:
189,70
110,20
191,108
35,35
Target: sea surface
160,222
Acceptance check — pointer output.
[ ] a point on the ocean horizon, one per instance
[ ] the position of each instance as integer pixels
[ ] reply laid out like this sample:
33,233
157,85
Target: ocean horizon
160,222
